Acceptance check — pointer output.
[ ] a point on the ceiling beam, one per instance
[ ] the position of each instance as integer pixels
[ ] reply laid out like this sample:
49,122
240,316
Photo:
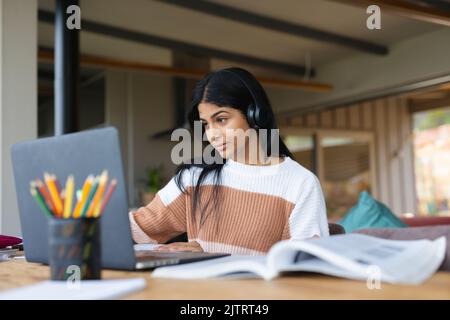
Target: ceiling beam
416,105
407,9
438,4
46,54
272,24
153,40
436,81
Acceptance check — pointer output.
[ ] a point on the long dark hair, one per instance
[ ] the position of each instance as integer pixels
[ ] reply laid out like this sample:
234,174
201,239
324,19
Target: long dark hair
227,89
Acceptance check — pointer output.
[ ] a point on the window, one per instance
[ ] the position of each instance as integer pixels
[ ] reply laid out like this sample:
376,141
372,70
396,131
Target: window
432,160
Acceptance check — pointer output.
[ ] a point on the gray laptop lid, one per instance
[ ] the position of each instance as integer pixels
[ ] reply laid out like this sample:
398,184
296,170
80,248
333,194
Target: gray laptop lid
80,154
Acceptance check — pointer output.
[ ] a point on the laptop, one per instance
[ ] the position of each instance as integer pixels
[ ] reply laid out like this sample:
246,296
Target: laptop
81,154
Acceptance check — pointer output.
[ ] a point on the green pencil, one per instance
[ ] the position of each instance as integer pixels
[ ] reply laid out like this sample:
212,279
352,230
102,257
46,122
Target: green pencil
89,198
40,202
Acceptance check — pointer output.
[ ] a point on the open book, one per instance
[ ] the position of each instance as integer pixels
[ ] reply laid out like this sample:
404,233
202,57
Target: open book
353,256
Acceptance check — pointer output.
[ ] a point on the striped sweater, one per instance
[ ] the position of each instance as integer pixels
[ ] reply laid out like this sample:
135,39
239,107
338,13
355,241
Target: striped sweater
258,206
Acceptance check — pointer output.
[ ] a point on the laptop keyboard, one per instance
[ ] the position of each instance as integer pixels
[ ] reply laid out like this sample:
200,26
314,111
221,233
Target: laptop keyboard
154,259
177,255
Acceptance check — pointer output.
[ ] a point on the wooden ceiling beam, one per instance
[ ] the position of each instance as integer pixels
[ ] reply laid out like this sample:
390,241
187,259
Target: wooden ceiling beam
103,62
407,9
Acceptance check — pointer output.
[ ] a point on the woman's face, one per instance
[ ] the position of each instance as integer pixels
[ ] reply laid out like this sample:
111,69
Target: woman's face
222,126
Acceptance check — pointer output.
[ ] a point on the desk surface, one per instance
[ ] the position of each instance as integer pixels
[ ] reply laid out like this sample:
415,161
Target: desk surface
17,273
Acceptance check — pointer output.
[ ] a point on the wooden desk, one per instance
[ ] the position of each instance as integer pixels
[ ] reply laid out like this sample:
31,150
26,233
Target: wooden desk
16,273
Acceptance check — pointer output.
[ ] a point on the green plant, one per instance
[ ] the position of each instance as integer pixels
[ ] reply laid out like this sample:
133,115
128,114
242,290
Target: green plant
154,179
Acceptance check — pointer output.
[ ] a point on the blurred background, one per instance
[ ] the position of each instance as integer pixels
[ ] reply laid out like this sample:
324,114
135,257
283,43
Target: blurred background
361,94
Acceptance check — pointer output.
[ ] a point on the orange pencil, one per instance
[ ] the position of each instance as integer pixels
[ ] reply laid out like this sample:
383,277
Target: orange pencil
84,195
57,184
47,198
98,194
111,188
54,194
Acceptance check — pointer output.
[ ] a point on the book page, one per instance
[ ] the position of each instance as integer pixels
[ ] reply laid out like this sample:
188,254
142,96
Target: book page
231,267
408,262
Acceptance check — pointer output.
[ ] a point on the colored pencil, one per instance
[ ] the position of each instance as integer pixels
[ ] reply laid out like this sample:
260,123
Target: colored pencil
90,197
84,194
78,193
63,199
54,194
111,188
44,192
90,201
70,186
57,184
40,201
95,203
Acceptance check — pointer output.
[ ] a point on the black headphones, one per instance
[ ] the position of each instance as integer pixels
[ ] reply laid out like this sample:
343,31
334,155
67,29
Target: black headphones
256,117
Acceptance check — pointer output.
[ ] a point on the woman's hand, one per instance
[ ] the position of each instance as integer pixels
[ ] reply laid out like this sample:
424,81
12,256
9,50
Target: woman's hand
192,246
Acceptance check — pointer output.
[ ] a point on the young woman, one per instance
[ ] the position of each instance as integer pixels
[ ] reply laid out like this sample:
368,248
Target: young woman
244,204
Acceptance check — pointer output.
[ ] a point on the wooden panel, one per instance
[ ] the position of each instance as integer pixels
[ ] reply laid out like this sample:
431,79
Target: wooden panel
283,122
354,117
326,119
312,120
297,121
407,142
383,174
394,157
340,116
367,115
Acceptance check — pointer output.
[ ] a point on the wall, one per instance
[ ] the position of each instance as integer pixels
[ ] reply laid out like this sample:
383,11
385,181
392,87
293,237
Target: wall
18,96
139,105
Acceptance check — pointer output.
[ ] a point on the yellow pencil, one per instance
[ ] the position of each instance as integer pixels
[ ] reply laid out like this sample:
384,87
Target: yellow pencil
70,186
84,194
54,194
96,201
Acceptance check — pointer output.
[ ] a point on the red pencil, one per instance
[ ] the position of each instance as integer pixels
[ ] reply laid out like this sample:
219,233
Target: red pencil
111,188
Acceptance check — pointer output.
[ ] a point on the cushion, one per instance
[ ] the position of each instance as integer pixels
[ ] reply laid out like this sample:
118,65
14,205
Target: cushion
369,213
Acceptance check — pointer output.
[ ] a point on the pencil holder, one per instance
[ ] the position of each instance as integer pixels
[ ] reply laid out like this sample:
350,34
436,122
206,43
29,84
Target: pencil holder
74,246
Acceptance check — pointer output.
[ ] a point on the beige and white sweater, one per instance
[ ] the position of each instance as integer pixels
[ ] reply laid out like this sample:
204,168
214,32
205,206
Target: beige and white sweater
258,206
